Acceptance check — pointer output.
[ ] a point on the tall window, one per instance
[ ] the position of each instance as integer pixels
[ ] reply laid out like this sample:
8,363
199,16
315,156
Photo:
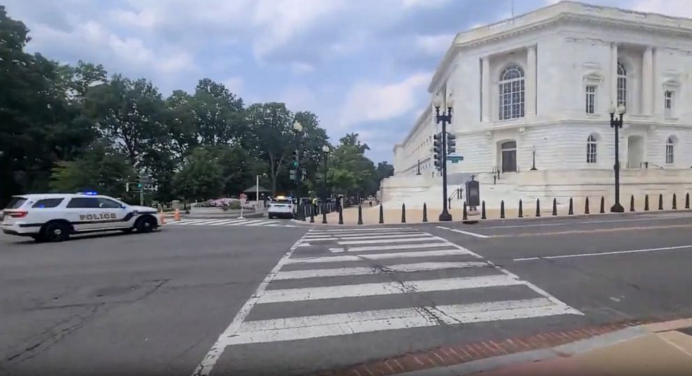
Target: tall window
591,149
670,150
669,103
622,85
590,99
512,93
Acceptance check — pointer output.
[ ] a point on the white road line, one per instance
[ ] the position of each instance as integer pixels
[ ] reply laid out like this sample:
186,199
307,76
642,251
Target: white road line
264,223
360,230
403,246
604,253
188,222
376,256
388,233
424,238
207,364
465,232
296,328
388,236
229,222
252,222
319,239
212,223
505,271
385,288
400,268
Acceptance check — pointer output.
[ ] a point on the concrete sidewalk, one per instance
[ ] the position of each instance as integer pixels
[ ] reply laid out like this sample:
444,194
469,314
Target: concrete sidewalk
655,349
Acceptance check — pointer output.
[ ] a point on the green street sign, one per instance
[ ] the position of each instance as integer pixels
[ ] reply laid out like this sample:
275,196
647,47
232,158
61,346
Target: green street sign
455,158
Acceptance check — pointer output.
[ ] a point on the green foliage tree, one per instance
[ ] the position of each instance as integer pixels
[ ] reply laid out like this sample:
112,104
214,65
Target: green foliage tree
351,173
101,168
201,177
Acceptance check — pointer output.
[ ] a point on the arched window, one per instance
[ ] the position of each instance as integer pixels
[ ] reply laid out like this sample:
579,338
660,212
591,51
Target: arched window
591,149
622,85
670,150
512,93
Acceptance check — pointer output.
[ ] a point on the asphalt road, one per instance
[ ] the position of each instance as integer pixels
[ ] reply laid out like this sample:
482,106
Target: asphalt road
233,300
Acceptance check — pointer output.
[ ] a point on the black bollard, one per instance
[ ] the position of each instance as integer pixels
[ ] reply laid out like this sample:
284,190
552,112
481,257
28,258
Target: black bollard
521,209
571,206
360,215
554,206
632,203
675,202
403,213
465,216
502,209
660,201
381,214
312,214
341,215
425,212
324,215
646,202
687,201
538,208
602,205
483,210
305,213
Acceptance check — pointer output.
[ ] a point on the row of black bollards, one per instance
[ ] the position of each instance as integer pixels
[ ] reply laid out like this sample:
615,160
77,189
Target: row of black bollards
311,211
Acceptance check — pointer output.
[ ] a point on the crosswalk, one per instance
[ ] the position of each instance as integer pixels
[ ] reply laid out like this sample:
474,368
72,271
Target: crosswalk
349,281
230,222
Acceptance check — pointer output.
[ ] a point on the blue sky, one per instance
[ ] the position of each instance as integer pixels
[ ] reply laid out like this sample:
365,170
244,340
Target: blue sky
360,65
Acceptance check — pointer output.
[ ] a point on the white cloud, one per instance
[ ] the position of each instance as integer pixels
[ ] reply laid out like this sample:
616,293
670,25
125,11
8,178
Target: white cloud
434,44
234,84
299,68
299,98
675,8
367,102
424,3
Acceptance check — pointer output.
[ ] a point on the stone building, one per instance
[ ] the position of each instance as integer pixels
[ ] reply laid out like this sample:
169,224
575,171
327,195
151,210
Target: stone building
539,87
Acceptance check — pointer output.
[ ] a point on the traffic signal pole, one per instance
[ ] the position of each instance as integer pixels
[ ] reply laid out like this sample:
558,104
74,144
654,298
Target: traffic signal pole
444,118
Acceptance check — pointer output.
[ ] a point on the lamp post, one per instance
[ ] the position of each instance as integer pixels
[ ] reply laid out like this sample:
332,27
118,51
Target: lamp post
533,165
616,123
325,149
418,173
444,118
298,130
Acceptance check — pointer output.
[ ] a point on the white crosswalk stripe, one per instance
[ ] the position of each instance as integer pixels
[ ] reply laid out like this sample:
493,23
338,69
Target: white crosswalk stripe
313,293
231,222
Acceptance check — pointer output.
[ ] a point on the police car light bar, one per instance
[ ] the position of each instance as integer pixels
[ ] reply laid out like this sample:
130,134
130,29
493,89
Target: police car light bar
89,193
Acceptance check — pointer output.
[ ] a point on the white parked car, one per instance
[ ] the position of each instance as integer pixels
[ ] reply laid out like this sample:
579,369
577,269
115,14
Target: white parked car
54,217
280,207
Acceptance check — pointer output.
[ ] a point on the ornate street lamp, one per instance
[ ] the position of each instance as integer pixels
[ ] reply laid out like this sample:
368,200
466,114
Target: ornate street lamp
444,118
616,123
298,130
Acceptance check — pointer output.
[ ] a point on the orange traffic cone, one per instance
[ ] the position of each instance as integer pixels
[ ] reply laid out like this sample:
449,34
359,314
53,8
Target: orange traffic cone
176,216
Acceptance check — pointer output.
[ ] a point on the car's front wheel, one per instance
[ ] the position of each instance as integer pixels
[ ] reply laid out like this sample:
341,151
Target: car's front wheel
55,232
146,224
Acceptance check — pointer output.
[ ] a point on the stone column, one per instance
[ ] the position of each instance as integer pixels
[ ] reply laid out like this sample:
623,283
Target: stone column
485,87
531,82
613,74
647,81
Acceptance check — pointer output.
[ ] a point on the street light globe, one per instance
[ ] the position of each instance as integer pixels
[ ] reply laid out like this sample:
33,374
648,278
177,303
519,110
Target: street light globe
621,109
297,127
450,100
611,109
437,102
325,149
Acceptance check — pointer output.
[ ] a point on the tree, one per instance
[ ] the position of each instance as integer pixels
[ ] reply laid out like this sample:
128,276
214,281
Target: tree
239,169
217,114
351,172
201,177
274,139
384,170
101,168
129,114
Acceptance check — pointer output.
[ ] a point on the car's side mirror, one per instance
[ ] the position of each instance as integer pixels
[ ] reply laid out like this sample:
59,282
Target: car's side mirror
123,207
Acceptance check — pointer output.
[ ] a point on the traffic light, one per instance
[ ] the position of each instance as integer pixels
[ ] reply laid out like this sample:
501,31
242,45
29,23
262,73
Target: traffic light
451,143
437,150
296,158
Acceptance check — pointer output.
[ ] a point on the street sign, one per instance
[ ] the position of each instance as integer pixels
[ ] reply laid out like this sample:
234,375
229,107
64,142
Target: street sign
455,158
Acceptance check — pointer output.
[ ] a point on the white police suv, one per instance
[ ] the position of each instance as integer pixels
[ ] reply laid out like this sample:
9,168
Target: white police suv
280,207
54,217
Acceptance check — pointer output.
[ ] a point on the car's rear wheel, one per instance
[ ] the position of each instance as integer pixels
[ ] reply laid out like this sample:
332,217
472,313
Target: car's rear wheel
56,232
146,224
270,216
